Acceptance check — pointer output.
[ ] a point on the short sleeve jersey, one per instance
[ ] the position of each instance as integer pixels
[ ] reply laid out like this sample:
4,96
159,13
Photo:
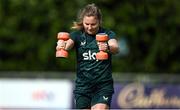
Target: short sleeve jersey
90,70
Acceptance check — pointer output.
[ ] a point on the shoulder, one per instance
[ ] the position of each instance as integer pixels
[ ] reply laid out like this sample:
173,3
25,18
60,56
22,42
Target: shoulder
75,34
109,32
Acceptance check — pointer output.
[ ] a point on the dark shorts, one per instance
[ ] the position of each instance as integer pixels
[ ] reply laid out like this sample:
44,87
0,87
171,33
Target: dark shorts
100,93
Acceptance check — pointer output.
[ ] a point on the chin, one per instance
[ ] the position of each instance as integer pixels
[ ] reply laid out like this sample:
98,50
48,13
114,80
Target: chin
91,33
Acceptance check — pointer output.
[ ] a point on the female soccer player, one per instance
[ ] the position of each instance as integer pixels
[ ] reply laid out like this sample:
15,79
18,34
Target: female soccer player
94,82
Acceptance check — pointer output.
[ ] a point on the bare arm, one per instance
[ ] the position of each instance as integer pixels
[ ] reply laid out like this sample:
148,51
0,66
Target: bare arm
113,46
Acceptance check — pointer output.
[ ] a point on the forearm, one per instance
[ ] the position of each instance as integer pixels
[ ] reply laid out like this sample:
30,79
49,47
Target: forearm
113,46
113,49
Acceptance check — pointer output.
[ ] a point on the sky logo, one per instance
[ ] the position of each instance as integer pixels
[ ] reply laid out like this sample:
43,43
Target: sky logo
89,55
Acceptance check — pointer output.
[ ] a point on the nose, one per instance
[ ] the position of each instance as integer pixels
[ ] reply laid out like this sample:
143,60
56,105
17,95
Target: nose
89,27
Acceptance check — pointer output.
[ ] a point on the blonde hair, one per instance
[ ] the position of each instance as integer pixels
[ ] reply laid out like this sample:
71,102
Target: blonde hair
88,10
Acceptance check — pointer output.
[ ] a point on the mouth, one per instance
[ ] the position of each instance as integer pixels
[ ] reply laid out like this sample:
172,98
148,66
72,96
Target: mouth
90,31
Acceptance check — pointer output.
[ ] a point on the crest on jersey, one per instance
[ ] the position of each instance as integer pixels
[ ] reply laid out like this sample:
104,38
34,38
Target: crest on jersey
83,43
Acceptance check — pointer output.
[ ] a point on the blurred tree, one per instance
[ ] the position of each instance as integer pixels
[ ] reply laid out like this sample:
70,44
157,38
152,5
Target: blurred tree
29,27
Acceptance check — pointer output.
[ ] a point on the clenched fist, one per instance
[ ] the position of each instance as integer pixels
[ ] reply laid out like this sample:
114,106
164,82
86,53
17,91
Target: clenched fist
61,44
103,46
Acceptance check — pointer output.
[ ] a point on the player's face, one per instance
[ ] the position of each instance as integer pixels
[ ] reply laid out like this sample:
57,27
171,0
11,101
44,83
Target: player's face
91,24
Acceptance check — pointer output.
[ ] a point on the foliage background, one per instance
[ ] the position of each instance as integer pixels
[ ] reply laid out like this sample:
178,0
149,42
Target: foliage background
28,30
